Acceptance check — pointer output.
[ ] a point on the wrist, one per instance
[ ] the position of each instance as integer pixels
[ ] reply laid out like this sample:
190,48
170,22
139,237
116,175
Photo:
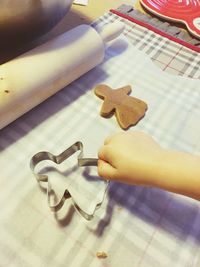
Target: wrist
179,172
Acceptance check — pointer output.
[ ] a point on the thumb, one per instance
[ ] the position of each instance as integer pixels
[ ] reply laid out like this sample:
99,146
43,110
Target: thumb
105,170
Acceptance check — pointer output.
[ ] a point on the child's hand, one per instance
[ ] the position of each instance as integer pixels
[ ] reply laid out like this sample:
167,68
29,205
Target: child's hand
131,157
135,158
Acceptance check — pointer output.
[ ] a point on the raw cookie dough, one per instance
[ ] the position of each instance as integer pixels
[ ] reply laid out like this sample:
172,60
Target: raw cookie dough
128,110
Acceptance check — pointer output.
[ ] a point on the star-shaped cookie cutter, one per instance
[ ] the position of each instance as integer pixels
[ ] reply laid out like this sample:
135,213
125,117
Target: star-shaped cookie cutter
44,155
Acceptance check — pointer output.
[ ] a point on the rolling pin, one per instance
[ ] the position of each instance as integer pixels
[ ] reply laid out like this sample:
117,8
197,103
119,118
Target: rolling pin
34,76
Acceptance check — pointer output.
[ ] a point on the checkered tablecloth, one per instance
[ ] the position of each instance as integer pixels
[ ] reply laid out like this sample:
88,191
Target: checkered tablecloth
136,226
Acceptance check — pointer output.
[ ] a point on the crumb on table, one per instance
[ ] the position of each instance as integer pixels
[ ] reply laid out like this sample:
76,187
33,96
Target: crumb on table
101,255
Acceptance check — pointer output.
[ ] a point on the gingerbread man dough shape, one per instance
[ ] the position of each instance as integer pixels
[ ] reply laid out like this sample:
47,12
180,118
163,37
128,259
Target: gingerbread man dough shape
128,110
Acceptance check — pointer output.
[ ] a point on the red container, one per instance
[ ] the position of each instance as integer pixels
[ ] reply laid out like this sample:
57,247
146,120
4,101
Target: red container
183,11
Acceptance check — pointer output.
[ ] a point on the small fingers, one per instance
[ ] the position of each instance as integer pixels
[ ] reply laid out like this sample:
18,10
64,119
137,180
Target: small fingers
103,153
105,170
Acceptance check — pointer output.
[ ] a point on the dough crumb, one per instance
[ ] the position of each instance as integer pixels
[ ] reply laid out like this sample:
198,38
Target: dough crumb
101,255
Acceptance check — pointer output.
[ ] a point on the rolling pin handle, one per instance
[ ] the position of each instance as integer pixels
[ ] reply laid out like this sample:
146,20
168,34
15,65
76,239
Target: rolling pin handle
111,31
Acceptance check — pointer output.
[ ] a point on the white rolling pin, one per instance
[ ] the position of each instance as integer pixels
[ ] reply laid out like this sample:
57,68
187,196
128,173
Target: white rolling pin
31,78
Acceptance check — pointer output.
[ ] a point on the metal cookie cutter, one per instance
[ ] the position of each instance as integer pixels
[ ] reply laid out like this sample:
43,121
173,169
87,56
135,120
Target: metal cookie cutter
44,155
